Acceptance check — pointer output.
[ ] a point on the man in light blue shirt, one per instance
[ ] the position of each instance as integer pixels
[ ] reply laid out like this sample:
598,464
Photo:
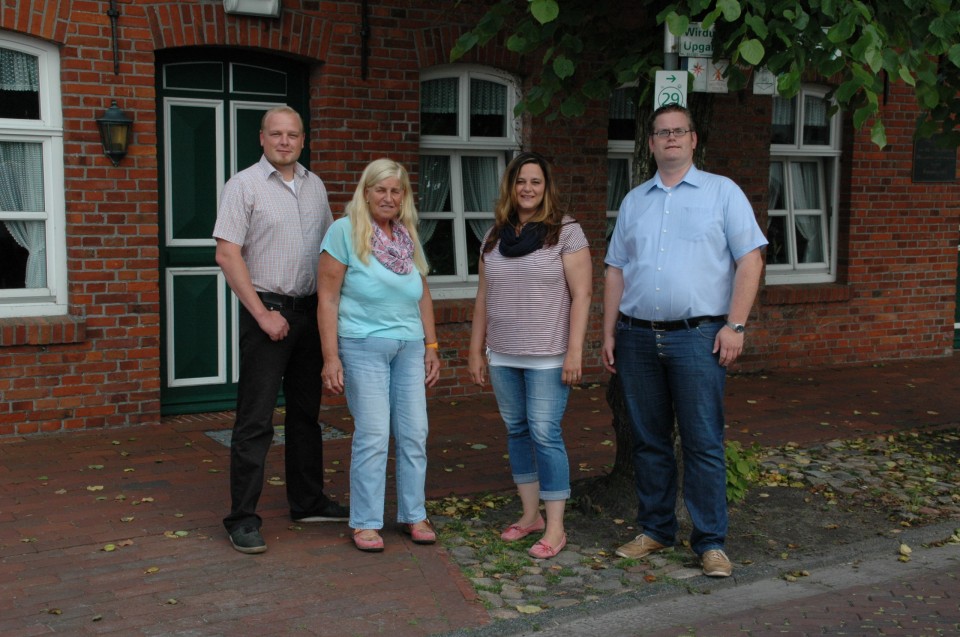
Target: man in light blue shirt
683,269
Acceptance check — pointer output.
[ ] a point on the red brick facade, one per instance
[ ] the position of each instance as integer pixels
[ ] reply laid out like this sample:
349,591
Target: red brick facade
99,366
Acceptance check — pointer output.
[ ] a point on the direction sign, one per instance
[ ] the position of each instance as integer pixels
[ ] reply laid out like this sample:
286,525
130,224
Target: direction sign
670,88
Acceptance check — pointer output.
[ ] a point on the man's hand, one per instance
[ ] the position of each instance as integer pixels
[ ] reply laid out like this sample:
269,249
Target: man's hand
274,325
729,344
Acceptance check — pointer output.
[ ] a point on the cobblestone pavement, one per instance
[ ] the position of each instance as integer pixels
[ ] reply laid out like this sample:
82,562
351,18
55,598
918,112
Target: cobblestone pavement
912,476
871,594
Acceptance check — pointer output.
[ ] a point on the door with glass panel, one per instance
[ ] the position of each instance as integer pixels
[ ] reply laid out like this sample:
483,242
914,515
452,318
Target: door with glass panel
211,104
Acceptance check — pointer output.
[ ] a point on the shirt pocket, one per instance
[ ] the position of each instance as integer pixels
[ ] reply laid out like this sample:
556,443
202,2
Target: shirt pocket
696,223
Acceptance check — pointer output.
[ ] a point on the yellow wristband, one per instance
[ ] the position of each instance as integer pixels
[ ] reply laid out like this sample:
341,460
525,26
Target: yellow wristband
432,345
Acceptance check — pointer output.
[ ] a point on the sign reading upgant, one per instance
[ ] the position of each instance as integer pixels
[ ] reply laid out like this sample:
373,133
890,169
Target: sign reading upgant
696,42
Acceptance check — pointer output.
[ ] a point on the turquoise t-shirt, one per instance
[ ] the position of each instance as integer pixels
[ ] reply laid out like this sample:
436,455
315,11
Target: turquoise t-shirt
374,301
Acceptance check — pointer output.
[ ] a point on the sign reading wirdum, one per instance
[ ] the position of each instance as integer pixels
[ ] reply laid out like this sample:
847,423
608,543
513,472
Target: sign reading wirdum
696,42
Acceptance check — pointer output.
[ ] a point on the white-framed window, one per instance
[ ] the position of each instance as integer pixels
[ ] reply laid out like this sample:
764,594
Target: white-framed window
803,196
621,140
32,237
468,133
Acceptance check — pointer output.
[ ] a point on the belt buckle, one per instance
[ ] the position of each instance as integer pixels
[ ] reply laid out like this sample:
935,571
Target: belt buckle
658,326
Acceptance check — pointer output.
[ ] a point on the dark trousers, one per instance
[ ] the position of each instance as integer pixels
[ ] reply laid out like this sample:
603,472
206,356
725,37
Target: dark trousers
295,364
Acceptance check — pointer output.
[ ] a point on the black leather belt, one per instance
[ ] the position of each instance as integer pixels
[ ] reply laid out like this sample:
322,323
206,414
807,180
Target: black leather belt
292,303
669,326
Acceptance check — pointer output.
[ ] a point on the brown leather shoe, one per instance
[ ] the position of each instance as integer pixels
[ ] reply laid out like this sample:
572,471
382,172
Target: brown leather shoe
640,546
716,563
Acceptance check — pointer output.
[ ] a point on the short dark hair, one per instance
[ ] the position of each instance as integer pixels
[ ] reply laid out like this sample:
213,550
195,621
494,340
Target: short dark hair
669,108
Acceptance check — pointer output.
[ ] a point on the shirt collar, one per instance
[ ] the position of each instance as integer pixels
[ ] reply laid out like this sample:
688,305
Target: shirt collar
269,169
692,177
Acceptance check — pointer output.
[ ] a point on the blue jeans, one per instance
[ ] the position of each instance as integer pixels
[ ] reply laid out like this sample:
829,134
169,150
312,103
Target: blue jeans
532,402
667,376
384,385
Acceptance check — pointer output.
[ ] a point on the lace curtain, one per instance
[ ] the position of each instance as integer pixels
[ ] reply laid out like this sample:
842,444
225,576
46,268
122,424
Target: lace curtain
439,96
618,182
19,71
21,190
434,189
480,184
487,98
621,105
782,111
806,196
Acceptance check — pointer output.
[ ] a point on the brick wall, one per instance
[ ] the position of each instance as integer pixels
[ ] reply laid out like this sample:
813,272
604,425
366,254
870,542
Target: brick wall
99,367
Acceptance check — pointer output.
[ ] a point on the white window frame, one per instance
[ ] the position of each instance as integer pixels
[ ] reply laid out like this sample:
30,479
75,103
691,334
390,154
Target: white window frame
48,132
462,284
827,156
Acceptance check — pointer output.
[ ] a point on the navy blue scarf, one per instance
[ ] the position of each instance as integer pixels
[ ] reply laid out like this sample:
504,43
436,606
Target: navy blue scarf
529,240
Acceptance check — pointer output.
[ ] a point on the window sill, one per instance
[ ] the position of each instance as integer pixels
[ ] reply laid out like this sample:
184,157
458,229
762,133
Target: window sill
797,294
42,330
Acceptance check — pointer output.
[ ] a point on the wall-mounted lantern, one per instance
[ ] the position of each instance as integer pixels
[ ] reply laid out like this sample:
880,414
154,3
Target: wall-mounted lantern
115,133
262,8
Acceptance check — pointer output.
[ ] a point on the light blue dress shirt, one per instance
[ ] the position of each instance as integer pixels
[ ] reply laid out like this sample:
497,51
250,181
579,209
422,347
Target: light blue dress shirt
678,246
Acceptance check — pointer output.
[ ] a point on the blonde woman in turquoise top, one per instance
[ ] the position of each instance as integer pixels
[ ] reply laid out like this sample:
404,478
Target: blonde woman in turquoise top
375,313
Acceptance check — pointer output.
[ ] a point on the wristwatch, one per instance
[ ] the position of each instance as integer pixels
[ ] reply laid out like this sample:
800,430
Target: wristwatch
736,327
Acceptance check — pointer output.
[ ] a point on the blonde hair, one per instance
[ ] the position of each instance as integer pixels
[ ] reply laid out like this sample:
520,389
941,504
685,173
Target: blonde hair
280,109
359,211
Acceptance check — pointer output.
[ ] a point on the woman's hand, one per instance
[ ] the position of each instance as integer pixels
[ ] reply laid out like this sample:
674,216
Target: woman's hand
332,375
572,368
431,363
478,368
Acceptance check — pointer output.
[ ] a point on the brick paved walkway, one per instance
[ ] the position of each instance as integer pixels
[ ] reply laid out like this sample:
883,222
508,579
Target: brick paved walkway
157,495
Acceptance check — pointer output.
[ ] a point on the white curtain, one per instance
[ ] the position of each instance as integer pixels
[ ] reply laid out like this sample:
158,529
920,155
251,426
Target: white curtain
439,96
775,190
815,112
783,111
434,188
806,196
487,98
618,182
19,71
21,190
480,184
621,104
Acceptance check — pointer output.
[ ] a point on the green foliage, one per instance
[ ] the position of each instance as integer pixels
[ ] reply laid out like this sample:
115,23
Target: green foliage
591,47
743,469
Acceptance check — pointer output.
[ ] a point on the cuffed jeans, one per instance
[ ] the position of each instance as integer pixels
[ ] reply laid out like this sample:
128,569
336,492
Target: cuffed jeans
295,363
531,403
384,384
667,376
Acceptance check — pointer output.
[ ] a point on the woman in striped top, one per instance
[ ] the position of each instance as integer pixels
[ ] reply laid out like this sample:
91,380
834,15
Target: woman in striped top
529,324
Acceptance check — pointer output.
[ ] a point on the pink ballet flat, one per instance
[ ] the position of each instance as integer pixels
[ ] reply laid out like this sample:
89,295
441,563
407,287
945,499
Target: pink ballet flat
542,551
515,531
372,545
421,535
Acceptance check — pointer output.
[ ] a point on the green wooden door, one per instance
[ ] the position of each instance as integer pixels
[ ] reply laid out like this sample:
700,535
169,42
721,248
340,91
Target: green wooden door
956,307
210,105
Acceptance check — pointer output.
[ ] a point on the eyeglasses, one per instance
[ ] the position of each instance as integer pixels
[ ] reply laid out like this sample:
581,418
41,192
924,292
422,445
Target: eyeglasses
667,132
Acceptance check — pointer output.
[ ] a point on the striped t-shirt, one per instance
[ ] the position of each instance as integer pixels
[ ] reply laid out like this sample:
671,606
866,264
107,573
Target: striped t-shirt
528,300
